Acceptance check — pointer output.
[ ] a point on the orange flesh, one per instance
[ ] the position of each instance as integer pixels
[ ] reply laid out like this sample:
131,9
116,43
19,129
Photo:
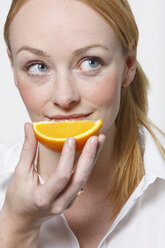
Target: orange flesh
64,129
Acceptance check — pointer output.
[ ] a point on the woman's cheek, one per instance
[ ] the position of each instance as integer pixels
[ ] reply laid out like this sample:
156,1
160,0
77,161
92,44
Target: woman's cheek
34,97
106,97
104,92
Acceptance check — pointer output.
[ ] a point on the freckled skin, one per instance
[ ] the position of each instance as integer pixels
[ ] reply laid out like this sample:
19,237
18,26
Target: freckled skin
66,89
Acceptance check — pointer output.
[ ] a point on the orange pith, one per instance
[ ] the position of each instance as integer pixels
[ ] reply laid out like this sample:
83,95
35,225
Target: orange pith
53,134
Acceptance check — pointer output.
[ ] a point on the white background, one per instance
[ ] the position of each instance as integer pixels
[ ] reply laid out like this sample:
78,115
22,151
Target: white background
150,18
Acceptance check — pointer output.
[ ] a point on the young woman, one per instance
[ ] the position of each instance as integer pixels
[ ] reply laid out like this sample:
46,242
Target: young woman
73,59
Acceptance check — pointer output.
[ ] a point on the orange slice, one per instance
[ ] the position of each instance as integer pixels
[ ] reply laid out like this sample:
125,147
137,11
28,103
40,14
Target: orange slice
53,134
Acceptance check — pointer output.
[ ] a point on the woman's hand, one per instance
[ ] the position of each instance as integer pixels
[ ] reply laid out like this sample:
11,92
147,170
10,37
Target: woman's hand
29,203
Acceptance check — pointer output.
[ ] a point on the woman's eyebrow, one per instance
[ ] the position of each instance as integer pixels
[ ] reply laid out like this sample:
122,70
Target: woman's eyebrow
75,53
85,49
33,50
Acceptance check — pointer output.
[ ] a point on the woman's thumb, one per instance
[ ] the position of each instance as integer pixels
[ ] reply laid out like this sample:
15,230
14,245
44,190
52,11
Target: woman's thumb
29,148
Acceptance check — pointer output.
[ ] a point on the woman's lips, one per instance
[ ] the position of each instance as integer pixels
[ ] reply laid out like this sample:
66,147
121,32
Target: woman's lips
69,117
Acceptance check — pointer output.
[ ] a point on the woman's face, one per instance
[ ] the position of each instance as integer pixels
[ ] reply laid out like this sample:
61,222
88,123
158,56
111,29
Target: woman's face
67,60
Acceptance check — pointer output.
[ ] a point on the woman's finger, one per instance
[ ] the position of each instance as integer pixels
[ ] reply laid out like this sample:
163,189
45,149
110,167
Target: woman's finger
101,140
58,181
29,149
62,187
88,157
82,172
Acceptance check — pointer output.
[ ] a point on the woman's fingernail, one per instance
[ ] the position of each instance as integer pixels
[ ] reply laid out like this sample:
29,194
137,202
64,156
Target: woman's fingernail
71,142
102,138
94,141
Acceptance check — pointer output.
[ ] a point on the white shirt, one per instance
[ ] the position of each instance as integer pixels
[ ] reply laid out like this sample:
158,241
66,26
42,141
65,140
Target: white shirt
140,223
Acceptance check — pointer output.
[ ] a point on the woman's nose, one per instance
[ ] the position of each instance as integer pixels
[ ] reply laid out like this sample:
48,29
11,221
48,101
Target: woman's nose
65,93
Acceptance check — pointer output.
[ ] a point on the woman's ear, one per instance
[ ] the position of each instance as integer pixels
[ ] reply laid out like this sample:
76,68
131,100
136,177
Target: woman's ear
130,67
12,65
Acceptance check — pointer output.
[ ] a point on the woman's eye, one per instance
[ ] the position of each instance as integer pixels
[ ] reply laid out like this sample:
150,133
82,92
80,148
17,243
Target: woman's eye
90,64
37,69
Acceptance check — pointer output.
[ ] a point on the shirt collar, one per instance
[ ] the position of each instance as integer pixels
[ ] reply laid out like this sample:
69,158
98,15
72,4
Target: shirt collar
154,162
154,165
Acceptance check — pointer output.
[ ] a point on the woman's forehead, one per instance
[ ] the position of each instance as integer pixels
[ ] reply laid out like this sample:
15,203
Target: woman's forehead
43,21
